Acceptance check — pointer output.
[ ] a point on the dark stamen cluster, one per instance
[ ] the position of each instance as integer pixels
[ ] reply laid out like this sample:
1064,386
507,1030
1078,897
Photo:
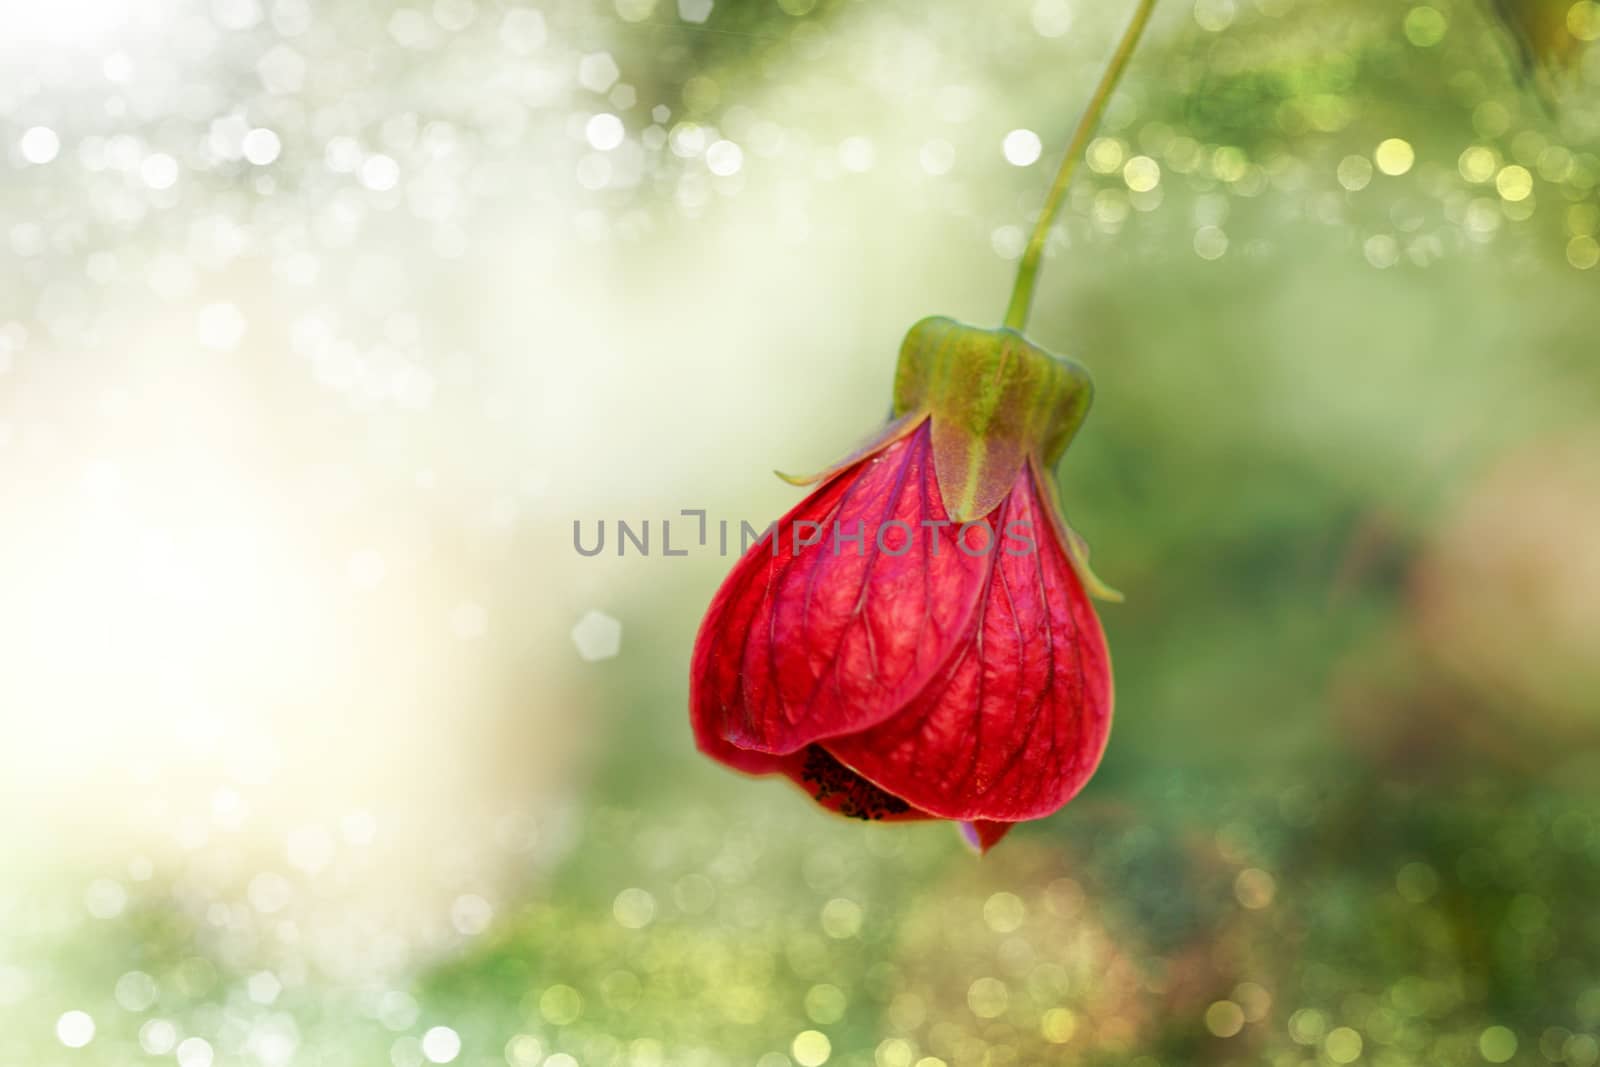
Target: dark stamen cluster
856,797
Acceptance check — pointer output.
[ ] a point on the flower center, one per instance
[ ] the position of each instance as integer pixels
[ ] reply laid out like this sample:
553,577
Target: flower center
845,791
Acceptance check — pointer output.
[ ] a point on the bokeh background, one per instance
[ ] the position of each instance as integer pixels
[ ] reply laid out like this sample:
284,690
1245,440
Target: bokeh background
321,323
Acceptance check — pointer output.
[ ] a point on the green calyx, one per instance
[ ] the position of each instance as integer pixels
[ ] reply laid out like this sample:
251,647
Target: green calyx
996,400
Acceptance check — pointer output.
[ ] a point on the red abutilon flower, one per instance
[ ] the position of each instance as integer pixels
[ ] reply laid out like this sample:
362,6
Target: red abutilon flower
915,639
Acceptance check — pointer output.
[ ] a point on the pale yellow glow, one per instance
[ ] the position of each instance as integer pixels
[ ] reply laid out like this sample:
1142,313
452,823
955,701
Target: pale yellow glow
68,22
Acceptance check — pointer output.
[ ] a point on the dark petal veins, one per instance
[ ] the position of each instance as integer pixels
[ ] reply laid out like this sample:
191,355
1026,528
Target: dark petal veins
1016,721
800,646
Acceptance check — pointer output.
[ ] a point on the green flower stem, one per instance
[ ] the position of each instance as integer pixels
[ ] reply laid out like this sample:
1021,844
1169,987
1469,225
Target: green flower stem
1028,270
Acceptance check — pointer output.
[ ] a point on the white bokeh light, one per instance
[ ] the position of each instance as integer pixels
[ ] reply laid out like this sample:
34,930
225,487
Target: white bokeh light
440,1044
1022,148
39,144
159,171
194,1052
380,173
597,636
604,131
597,72
856,154
1051,18
264,987
158,1036
75,1029
724,158
262,146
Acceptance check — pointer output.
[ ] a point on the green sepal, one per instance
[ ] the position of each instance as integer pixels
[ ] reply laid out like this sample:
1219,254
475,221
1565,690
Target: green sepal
995,399
1077,547
996,402
896,429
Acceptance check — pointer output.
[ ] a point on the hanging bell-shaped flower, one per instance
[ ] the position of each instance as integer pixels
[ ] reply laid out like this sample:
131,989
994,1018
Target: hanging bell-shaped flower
915,640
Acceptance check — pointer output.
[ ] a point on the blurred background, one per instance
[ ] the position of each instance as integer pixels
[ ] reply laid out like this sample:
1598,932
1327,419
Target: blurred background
321,323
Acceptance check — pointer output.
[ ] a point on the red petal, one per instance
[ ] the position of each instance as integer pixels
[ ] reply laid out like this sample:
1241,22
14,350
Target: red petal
982,835
805,644
1015,723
